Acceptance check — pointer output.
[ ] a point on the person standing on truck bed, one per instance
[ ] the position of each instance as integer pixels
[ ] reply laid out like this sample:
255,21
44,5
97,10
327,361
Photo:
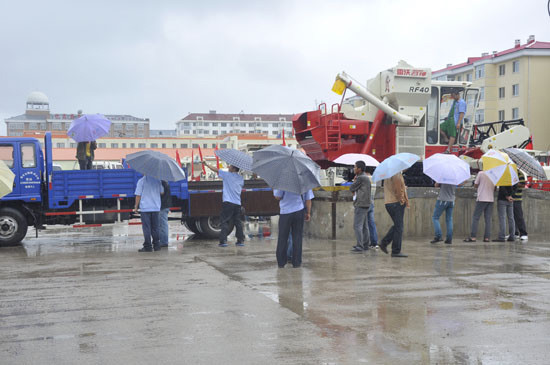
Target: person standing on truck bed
148,191
165,204
451,127
231,203
85,154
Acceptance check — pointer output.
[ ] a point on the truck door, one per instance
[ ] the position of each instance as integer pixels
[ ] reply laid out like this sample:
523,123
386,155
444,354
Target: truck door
471,105
7,154
29,178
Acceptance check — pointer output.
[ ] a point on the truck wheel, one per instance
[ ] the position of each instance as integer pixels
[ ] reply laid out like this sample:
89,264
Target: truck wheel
191,225
210,227
13,226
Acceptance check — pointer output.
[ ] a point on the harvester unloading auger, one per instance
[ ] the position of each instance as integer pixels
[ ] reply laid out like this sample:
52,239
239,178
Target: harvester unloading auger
400,110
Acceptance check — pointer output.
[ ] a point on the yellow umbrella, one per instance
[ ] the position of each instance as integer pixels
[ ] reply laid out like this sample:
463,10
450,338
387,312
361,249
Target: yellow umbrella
499,168
6,179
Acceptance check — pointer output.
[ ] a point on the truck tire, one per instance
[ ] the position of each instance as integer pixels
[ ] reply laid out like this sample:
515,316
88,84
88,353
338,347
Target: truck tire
210,227
191,225
13,226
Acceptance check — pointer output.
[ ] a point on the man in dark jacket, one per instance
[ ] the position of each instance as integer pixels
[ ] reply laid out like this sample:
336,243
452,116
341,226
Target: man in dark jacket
362,188
165,204
85,154
505,206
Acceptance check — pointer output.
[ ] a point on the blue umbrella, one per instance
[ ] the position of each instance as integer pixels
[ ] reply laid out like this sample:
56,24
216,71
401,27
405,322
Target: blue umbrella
89,127
155,164
394,164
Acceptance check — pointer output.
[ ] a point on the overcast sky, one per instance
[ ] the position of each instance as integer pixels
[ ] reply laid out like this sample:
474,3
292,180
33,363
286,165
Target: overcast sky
164,59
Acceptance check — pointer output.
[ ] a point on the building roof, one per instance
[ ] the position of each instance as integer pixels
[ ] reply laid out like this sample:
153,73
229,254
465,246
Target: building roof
117,154
73,116
471,60
242,117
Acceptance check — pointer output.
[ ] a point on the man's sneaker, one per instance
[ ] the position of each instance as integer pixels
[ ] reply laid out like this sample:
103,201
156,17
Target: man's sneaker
449,242
145,250
436,240
511,238
223,244
356,249
524,238
240,244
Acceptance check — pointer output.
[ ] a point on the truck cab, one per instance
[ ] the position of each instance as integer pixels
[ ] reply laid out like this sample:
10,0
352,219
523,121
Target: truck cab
25,158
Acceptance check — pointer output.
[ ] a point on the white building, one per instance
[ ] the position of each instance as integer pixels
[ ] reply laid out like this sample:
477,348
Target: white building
212,124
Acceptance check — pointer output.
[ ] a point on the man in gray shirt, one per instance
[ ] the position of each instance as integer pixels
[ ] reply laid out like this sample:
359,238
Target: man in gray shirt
362,188
445,203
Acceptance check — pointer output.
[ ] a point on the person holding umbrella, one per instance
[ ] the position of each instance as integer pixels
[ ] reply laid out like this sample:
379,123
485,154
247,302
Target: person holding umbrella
362,188
231,203
395,197
294,210
85,154
148,191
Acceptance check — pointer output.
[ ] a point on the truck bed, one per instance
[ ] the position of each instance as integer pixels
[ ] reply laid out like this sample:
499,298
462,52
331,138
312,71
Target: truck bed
67,186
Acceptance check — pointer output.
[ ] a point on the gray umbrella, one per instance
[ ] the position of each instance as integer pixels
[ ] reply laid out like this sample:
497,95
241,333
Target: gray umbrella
235,158
155,164
526,162
286,169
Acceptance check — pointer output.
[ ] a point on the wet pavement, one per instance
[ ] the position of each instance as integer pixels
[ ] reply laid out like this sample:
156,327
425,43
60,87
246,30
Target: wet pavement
87,296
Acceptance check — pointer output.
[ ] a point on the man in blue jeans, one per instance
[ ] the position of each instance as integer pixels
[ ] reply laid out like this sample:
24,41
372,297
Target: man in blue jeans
445,203
147,194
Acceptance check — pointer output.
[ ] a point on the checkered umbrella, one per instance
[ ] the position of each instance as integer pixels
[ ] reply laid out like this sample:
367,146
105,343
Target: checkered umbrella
236,158
526,162
286,169
155,164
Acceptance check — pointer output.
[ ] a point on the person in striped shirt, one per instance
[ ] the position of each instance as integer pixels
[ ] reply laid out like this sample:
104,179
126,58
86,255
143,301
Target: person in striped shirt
521,227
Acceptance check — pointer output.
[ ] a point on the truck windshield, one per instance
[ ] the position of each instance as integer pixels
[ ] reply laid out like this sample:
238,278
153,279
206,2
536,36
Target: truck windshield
6,154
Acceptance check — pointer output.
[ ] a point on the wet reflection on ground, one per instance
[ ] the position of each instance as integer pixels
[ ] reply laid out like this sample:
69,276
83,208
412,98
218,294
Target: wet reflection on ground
89,293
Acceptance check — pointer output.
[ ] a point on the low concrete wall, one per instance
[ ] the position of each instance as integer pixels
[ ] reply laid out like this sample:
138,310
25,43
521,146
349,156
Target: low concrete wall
332,214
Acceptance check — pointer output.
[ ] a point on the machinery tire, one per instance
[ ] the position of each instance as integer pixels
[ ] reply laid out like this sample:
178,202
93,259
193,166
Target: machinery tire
13,226
190,223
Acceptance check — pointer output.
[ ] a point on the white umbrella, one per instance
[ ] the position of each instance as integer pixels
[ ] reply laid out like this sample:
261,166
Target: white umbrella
236,158
352,158
393,165
446,169
6,179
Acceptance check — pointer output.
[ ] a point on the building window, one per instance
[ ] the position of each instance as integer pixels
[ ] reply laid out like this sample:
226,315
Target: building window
118,127
72,145
236,118
132,145
468,77
124,145
141,145
502,70
515,113
154,145
141,134
186,124
205,145
501,115
501,93
140,127
480,116
33,125
214,124
258,119
206,132
224,124
459,78
480,72
60,145
102,145
56,126
482,93
223,145
174,145
195,145
274,133
164,145
114,145
515,66
214,132
200,118
515,89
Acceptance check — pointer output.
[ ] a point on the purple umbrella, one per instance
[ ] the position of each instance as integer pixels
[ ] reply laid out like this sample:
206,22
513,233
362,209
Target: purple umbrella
89,127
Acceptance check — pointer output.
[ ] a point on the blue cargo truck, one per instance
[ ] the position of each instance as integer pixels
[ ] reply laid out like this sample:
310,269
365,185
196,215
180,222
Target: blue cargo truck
43,196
